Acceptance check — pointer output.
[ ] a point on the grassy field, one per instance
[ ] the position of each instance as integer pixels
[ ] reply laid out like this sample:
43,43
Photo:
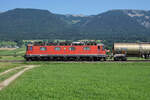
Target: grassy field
5,76
16,52
10,58
6,66
82,81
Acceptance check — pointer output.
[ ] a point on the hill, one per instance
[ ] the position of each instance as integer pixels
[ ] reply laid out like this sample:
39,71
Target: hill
29,24
113,25
122,25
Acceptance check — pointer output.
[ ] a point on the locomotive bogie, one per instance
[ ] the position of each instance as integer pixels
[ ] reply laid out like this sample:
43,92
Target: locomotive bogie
65,58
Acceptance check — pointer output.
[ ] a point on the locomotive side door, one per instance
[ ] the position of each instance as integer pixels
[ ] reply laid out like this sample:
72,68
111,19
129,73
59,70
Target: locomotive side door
99,48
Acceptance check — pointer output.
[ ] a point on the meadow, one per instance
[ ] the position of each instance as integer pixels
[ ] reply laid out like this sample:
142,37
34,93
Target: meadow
81,81
14,54
7,65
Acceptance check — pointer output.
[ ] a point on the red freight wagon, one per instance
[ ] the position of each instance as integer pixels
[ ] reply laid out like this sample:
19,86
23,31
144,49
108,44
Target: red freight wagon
71,52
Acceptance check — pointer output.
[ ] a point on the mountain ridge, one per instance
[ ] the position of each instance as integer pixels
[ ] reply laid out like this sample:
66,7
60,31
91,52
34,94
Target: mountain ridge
112,25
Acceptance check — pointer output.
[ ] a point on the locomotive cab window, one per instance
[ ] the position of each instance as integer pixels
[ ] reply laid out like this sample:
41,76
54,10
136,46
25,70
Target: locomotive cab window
42,48
57,48
30,48
86,48
72,48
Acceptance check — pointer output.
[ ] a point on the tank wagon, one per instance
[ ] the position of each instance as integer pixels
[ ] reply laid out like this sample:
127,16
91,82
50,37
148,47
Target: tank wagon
77,51
123,50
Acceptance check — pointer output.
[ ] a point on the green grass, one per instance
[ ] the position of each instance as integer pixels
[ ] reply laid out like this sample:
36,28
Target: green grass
11,58
82,81
5,76
136,58
5,66
12,54
16,52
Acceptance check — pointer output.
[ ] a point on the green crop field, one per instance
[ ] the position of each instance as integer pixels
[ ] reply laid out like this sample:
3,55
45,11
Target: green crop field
82,81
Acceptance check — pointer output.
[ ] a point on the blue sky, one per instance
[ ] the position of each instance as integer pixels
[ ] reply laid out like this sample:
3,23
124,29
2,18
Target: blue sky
86,7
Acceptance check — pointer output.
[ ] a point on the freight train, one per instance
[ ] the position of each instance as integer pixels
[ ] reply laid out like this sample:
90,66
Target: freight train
80,51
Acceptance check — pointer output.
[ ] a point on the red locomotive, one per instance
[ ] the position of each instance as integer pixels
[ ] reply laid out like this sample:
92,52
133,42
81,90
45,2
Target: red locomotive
75,51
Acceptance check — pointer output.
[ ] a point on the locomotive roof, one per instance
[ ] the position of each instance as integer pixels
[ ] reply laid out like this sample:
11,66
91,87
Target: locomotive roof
63,44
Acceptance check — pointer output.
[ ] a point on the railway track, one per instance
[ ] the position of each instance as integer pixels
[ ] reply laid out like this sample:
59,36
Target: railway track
21,61
13,61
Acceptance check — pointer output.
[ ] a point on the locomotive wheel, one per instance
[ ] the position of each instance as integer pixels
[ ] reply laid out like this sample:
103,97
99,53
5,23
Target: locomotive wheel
78,59
116,59
28,59
124,59
104,58
65,59
89,59
96,59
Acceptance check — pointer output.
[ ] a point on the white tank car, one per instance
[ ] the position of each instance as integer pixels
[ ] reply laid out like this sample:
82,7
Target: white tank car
122,50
